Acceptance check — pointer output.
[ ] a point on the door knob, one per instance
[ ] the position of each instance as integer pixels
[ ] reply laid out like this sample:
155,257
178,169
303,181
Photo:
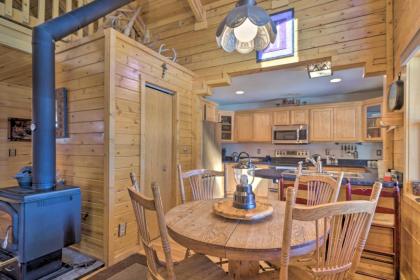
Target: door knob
164,168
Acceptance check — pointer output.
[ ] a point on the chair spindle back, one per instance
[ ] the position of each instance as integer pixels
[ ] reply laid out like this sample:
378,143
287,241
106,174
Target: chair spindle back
341,232
202,183
320,188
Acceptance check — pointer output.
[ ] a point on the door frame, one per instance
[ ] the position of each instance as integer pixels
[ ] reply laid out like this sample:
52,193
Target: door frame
144,81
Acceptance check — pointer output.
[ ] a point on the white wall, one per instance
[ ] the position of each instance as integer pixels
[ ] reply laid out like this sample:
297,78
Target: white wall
366,150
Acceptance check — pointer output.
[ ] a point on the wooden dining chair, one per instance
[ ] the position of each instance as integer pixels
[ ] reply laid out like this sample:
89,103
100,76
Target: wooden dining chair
134,181
341,231
202,183
197,267
384,239
316,189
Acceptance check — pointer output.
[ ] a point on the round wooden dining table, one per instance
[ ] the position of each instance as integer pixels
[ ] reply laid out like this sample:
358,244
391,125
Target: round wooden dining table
243,243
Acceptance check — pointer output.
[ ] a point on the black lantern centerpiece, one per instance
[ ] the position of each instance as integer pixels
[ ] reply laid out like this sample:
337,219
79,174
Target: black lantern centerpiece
244,197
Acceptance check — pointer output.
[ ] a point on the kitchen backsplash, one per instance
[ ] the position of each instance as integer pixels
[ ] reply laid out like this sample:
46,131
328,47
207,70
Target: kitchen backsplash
367,151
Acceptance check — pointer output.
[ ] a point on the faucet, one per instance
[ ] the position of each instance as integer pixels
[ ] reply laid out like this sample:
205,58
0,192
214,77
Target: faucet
299,168
317,163
246,154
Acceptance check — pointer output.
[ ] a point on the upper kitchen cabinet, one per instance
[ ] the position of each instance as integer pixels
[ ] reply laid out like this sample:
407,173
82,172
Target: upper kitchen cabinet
227,125
322,124
262,126
299,116
244,127
347,124
372,112
281,117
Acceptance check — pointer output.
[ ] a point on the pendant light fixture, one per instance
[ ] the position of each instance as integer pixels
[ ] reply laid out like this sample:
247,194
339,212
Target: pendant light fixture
246,28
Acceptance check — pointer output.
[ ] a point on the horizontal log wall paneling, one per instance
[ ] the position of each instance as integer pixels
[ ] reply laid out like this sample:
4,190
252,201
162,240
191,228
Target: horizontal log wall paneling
80,158
129,65
351,32
15,102
406,26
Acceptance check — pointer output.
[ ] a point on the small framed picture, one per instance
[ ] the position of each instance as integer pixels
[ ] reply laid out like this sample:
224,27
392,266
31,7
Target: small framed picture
285,41
20,130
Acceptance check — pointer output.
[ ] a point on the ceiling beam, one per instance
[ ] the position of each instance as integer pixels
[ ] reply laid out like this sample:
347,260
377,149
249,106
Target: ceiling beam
199,12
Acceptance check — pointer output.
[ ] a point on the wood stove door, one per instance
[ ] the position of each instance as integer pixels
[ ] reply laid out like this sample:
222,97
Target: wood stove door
9,222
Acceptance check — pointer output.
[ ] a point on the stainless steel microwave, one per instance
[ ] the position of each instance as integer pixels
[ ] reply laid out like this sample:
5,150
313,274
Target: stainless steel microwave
290,134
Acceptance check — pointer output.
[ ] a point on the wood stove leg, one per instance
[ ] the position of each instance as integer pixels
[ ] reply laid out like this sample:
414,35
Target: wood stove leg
243,269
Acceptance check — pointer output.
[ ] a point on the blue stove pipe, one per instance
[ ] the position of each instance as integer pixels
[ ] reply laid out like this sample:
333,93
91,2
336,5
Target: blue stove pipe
43,95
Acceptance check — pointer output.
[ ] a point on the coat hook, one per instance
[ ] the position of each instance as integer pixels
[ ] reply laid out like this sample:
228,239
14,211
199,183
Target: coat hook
164,70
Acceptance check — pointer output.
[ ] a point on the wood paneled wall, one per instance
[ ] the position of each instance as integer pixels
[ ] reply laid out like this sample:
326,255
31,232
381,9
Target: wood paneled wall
15,102
351,32
406,26
80,158
129,65
105,75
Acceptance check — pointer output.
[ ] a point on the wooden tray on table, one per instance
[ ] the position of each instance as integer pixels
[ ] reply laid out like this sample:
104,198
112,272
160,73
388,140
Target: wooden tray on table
225,209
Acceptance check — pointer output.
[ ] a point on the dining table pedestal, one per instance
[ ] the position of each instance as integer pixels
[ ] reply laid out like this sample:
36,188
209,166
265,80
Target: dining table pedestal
243,269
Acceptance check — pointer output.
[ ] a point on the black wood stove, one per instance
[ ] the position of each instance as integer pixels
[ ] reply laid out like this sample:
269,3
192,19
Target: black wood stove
42,223
44,218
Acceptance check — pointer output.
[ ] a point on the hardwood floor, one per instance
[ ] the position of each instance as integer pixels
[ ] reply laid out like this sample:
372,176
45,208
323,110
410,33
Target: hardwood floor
371,264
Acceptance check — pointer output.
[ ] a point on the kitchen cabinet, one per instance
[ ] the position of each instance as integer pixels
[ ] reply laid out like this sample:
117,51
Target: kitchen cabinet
371,114
281,117
321,124
338,122
244,127
347,123
299,117
227,125
262,126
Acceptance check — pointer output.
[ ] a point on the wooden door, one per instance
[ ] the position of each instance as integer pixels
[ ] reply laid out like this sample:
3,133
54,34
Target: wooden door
158,145
263,124
321,124
282,117
244,127
347,124
299,117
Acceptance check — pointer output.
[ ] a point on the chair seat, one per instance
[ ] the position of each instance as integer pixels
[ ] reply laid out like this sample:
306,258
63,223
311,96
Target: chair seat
382,219
198,267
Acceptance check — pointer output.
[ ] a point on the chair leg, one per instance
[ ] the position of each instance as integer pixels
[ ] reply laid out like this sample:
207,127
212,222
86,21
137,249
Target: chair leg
187,253
396,254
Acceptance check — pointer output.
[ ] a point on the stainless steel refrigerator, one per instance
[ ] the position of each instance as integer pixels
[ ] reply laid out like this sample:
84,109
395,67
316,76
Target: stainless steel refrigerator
212,151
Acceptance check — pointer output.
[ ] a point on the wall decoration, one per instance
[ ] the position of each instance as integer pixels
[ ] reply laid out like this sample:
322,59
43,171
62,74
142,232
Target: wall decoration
61,113
20,129
284,44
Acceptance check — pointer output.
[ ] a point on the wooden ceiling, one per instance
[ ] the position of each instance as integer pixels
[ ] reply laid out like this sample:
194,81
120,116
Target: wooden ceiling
15,67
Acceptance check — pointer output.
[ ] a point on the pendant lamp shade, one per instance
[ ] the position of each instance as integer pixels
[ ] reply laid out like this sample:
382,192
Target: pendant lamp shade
246,28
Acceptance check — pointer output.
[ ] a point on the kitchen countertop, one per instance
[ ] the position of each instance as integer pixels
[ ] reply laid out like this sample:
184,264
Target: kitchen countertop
277,161
367,179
